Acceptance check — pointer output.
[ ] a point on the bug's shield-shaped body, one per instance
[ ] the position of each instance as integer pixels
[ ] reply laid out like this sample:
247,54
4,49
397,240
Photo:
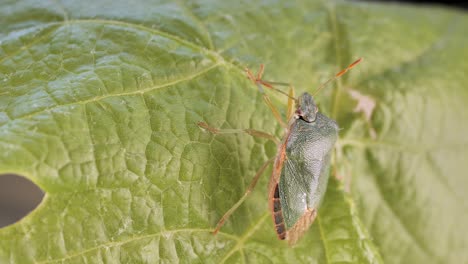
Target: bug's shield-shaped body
301,170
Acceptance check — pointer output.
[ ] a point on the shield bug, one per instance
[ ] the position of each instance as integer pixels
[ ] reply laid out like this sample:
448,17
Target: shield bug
301,165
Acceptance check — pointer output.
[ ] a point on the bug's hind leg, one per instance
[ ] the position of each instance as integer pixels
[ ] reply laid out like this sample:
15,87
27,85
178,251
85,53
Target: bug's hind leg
254,181
246,194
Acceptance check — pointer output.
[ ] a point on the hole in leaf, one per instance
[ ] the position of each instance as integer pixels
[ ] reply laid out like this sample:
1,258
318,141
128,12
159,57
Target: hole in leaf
18,197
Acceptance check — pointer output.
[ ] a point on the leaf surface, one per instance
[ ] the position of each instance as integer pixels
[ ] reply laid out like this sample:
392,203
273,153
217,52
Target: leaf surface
99,104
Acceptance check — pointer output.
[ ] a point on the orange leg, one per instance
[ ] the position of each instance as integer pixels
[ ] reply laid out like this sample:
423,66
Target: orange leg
257,80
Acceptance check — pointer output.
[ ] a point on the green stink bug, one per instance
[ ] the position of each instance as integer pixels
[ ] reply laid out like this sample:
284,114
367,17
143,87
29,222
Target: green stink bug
301,166
300,174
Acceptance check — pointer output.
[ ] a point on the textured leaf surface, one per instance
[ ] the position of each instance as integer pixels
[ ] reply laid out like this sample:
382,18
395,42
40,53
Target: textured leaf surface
99,103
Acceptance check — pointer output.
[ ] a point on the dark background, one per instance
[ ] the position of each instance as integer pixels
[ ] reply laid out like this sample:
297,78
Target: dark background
456,4
18,196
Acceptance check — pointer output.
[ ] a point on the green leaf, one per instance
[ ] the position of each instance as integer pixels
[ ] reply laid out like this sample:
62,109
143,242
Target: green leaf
99,104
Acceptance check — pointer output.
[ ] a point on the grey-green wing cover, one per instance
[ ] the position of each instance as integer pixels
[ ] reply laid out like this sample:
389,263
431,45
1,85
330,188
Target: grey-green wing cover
305,171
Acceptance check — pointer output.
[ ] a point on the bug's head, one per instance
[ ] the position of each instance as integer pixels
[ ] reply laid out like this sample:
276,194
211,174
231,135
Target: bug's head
306,108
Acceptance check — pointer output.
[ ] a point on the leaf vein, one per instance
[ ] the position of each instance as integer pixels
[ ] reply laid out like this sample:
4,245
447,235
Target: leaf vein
138,92
244,237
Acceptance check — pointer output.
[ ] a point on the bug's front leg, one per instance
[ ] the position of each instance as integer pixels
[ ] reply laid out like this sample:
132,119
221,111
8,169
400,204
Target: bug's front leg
259,82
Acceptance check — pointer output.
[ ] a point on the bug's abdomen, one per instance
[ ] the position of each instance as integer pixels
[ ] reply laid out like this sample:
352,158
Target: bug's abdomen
278,215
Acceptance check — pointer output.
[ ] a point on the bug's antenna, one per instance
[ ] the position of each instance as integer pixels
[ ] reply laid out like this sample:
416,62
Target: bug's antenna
257,79
342,72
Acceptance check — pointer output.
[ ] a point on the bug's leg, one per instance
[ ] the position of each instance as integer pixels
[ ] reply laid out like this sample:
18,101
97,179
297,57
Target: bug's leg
241,200
252,132
273,109
257,80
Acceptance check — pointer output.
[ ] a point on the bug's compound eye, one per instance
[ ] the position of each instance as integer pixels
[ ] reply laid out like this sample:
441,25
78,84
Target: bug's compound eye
308,115
298,114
